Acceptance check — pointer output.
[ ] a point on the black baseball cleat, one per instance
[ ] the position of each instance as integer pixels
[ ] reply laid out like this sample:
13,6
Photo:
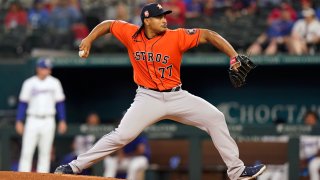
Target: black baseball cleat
251,172
64,169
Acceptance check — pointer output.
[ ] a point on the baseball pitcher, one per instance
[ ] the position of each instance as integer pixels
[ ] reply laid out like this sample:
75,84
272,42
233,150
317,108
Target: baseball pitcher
40,98
156,54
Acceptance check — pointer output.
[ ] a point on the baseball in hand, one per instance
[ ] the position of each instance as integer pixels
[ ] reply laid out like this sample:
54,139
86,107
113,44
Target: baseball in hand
81,53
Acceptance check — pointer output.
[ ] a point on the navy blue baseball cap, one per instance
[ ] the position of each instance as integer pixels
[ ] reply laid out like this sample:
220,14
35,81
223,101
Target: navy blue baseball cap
153,10
44,63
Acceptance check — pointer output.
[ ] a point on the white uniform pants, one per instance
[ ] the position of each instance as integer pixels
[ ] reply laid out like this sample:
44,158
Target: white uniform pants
275,172
314,167
150,107
38,132
132,165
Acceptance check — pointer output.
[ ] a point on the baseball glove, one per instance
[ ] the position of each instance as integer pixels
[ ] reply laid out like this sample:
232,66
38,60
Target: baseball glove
243,66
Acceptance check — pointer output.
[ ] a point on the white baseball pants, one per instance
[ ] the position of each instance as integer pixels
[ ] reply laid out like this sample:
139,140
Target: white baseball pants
38,131
132,165
314,167
150,107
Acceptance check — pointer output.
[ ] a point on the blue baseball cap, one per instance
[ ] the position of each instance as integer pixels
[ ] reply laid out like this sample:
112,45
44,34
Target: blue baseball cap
153,10
44,63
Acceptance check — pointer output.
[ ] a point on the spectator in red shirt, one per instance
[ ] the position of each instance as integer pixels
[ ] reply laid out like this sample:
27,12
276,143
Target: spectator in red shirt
275,14
178,16
15,17
80,31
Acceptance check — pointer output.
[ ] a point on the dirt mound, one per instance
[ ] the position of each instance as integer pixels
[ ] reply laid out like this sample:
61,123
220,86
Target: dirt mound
9,175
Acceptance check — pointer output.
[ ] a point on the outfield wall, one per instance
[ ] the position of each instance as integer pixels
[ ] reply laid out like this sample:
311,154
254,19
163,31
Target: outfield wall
281,87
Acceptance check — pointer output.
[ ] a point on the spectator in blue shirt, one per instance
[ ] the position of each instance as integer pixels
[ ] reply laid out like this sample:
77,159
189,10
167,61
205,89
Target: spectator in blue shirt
276,36
38,15
132,159
63,16
194,8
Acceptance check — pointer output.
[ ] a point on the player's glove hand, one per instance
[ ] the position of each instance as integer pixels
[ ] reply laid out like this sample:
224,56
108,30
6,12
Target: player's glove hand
240,66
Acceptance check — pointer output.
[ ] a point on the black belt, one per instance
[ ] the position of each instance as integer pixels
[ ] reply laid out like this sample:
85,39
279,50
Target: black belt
178,88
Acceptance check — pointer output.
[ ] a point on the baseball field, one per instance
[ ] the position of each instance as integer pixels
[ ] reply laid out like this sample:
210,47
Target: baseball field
9,175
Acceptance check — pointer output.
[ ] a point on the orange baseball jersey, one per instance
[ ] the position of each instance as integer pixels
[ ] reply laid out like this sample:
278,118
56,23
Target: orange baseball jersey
156,62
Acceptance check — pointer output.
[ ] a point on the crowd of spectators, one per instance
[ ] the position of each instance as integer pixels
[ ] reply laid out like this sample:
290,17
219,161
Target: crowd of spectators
289,31
258,27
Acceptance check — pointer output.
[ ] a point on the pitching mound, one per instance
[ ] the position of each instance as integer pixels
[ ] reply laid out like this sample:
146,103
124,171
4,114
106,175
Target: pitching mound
9,175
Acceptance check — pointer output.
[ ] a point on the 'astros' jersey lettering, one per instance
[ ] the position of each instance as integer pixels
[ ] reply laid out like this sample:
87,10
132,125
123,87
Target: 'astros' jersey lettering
156,62
41,95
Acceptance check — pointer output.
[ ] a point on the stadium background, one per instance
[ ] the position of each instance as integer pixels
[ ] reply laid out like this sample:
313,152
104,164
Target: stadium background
281,89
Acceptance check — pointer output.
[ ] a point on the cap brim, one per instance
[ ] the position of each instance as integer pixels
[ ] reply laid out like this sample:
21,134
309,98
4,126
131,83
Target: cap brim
163,13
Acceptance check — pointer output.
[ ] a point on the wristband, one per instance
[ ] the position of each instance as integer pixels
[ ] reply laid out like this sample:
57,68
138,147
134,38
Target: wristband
233,60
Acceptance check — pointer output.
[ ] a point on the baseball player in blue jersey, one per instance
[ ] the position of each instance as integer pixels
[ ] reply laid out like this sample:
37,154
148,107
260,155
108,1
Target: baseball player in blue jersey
40,98
133,159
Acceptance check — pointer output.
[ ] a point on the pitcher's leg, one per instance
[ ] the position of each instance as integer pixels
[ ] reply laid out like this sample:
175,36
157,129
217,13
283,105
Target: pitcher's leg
195,111
144,111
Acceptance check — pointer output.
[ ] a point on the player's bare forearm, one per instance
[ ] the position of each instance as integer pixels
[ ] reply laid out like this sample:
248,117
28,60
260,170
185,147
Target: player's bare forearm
100,30
208,36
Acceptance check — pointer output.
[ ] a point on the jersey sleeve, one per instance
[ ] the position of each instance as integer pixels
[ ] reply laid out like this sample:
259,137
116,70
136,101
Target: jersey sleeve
25,93
123,31
59,95
188,38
